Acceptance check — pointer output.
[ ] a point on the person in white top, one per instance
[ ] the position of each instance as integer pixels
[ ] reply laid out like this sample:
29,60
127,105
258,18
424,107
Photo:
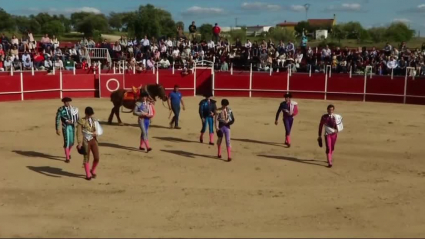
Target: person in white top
164,63
176,53
392,64
248,44
211,44
14,40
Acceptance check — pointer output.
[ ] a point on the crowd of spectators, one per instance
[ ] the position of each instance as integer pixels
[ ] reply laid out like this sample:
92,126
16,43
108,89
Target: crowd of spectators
182,52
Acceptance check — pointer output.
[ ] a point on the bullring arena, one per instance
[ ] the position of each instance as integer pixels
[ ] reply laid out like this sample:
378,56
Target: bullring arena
180,189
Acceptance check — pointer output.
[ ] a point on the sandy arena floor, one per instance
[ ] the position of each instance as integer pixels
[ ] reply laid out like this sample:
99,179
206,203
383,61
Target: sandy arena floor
375,189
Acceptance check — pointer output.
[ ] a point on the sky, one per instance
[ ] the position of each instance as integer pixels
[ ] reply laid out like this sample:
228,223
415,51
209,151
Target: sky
370,13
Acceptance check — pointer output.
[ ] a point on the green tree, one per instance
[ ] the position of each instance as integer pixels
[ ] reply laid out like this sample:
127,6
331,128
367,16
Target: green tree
399,32
154,22
282,34
206,32
302,26
116,20
238,34
6,20
43,18
66,23
91,23
338,32
377,34
54,27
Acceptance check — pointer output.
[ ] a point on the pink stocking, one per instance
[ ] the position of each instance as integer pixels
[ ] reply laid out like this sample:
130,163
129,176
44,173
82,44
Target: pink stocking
87,168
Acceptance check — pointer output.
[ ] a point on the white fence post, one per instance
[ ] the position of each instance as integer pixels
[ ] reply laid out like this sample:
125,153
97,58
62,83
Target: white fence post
351,71
22,86
213,80
173,66
231,68
32,70
326,79
74,68
114,68
309,71
365,82
288,76
194,79
11,69
250,81
157,73
271,70
392,73
60,83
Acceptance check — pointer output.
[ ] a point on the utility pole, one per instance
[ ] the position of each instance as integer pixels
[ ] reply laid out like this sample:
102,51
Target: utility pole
306,6
236,22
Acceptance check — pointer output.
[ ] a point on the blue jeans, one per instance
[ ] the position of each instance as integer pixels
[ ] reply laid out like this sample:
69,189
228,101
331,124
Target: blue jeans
176,111
208,120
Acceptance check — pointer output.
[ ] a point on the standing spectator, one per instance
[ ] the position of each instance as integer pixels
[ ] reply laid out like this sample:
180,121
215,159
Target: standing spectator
192,31
14,41
146,44
55,42
31,40
216,32
91,43
304,41
5,42
388,49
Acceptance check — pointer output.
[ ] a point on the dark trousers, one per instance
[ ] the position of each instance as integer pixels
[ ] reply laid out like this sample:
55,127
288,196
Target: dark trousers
288,125
176,111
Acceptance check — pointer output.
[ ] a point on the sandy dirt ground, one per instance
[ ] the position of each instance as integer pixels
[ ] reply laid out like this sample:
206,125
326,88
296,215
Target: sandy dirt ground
180,189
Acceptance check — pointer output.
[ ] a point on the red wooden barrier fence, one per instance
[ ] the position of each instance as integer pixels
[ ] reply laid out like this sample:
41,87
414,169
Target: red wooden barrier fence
39,85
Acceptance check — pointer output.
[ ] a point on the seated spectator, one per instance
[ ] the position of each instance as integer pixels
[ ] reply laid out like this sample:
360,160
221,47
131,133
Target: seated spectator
69,65
74,54
14,53
224,66
83,54
27,64
24,42
45,41
48,64
14,41
58,55
58,64
26,56
116,49
1,62
84,42
164,63
388,49
2,54
91,43
8,64
326,55
290,48
38,60
298,58
16,64
48,52
391,65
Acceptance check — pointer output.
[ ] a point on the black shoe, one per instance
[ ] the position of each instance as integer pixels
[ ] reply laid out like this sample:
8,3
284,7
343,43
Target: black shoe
219,156
142,148
177,127
88,178
67,161
201,140
149,149
229,159
211,143
93,175
329,165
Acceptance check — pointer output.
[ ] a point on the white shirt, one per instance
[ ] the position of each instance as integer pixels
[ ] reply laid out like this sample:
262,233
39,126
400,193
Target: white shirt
211,45
145,42
24,57
169,43
248,45
176,53
326,52
392,64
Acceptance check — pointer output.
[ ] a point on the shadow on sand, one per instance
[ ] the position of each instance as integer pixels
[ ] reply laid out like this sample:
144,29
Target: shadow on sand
175,140
54,172
38,155
259,142
117,146
297,160
188,154
132,125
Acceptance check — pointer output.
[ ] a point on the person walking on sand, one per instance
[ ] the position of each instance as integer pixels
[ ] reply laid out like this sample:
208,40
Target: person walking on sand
290,110
145,111
223,121
207,110
174,101
88,129
66,118
333,125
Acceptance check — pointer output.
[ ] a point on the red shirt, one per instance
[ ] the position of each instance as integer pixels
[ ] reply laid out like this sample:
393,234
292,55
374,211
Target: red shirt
216,30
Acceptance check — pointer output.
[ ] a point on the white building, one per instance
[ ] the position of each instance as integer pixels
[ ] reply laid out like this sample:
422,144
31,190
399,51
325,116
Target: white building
321,34
257,30
228,29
